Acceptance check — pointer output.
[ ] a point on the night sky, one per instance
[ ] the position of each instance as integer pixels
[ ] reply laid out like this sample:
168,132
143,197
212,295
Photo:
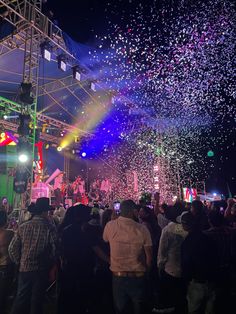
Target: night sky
83,20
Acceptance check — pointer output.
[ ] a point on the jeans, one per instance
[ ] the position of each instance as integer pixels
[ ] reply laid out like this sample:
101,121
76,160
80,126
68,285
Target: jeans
172,293
130,289
6,279
201,298
30,292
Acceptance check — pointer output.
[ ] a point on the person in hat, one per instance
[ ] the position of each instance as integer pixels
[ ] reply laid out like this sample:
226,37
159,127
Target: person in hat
33,249
131,258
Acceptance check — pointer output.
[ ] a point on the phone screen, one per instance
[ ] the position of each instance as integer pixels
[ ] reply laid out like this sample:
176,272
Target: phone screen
117,206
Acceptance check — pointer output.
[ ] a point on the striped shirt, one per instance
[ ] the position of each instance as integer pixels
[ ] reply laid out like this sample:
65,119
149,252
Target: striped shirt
33,247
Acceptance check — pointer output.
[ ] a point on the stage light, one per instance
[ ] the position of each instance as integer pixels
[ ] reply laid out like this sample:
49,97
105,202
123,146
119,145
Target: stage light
24,149
59,148
76,73
47,55
76,139
25,93
5,117
23,157
47,146
24,128
46,50
83,154
44,127
61,61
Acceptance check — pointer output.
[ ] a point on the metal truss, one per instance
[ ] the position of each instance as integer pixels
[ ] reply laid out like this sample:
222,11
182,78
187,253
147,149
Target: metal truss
58,85
51,122
25,14
31,29
11,126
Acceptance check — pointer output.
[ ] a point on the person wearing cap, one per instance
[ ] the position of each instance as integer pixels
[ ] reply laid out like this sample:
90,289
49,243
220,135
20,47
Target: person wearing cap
131,258
199,262
33,249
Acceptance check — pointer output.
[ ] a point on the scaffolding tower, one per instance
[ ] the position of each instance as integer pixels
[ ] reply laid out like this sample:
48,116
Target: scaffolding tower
30,29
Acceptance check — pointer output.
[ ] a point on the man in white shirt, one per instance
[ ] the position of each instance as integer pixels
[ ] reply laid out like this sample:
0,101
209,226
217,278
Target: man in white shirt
131,258
169,263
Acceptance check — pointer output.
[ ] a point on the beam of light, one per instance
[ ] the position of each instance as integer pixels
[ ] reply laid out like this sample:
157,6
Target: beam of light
92,115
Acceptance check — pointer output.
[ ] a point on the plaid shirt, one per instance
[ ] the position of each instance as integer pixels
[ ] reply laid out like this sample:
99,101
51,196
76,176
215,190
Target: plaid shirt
34,245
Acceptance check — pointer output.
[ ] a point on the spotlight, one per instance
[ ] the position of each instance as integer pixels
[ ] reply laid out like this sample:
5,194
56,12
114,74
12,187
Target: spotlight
24,149
83,154
5,117
59,148
23,158
46,50
76,73
61,61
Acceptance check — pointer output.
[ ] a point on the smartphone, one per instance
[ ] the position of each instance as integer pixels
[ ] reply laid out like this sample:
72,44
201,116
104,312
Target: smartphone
117,207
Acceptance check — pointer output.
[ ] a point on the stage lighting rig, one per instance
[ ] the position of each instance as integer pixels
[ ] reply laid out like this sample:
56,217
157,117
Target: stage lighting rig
25,93
76,73
46,50
24,127
61,61
23,149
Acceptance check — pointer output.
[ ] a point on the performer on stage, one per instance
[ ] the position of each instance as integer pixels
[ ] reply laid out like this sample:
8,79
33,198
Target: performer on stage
78,189
105,189
59,189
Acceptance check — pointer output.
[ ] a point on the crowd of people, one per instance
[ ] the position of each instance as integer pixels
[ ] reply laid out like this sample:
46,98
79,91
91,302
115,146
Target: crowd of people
171,259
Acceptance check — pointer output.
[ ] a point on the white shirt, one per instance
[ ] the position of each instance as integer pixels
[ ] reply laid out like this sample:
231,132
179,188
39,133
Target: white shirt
169,253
